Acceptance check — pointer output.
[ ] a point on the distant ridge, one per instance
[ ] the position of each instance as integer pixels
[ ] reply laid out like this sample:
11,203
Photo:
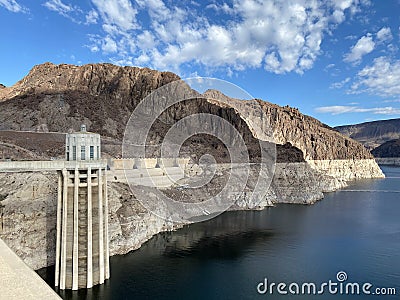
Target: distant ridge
372,134
388,149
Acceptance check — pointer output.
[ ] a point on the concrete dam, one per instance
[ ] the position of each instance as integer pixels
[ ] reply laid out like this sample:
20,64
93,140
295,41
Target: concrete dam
82,238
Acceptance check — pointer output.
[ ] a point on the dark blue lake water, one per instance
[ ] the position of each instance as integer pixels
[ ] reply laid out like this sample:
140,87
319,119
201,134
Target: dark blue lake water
355,230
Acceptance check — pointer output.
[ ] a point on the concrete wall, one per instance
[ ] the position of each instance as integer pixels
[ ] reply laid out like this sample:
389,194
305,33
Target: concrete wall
18,281
89,142
156,177
48,165
154,172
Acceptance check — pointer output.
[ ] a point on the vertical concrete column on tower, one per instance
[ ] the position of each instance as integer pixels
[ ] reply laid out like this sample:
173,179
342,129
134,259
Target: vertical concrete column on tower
75,244
58,237
63,245
82,253
89,283
107,275
101,232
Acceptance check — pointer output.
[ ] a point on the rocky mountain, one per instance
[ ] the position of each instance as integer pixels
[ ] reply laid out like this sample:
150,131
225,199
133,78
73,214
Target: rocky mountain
388,149
372,134
58,98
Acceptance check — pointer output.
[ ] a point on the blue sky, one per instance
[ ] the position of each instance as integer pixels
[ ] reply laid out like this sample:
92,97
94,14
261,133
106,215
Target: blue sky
336,60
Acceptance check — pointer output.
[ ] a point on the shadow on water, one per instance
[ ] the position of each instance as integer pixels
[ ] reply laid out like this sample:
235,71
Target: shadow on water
227,246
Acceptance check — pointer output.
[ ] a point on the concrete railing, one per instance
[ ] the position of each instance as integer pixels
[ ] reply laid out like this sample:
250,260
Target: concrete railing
18,281
155,177
48,165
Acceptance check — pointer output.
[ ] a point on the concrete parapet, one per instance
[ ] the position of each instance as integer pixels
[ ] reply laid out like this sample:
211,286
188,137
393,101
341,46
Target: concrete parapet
18,281
48,165
156,177
147,163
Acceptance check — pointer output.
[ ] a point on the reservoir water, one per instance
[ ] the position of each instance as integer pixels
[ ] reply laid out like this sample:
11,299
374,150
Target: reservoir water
355,231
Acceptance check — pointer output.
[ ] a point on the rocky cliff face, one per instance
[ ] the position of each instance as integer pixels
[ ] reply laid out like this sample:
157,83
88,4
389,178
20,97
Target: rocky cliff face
60,97
28,209
316,140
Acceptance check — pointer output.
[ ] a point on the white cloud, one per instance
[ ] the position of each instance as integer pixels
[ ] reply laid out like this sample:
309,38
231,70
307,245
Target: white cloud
392,101
363,46
92,17
330,66
340,84
366,44
109,45
117,12
342,109
13,6
225,8
381,78
58,6
156,9
392,48
333,70
146,40
384,35
66,10
351,37
142,59
281,36
94,48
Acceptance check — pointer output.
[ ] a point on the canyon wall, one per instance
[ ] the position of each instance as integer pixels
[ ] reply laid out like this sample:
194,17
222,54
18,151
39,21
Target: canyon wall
28,209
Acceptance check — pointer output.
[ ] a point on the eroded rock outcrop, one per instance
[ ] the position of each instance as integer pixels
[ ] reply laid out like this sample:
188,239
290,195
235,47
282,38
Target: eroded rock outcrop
61,97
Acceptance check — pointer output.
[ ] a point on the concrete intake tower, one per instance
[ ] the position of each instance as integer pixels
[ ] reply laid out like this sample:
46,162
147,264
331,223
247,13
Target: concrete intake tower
82,249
